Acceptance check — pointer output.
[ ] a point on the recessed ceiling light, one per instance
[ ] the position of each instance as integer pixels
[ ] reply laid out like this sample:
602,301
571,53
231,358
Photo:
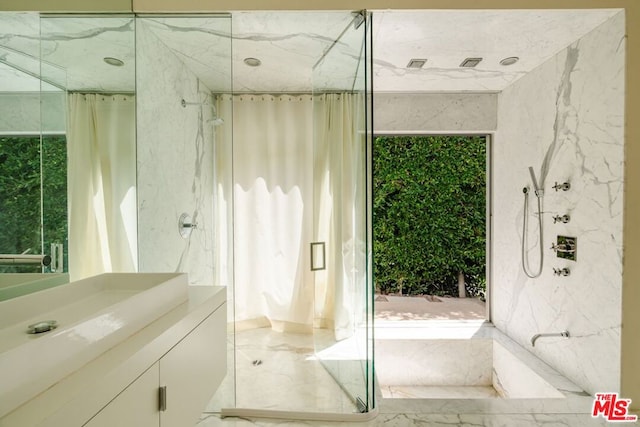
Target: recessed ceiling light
252,62
470,62
510,60
416,63
113,61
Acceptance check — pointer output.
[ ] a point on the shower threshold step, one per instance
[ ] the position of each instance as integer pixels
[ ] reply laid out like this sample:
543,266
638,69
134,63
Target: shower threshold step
438,392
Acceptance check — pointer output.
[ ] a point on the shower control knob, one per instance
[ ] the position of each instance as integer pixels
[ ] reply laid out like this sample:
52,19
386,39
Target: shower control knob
561,271
563,219
565,186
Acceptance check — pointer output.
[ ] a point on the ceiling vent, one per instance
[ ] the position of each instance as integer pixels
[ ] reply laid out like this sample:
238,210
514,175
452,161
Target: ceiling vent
416,63
470,62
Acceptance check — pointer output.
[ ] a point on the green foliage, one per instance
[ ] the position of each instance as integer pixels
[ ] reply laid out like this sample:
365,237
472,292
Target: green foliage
429,214
20,195
54,193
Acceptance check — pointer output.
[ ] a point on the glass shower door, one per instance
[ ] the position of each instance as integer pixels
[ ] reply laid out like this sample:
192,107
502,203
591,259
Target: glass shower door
340,254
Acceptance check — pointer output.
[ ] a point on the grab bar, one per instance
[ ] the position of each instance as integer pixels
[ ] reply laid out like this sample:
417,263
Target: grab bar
16,259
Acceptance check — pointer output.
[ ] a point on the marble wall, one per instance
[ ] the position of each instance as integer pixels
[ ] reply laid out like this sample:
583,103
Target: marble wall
567,114
23,112
175,158
434,112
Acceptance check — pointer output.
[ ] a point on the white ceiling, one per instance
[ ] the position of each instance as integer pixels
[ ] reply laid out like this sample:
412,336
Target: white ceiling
289,44
446,38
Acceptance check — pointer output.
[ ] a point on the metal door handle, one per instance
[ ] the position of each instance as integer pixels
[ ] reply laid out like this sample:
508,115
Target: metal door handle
162,398
318,256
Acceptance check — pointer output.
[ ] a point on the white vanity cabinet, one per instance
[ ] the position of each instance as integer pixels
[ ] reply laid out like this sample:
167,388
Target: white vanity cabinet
136,406
189,374
183,350
193,370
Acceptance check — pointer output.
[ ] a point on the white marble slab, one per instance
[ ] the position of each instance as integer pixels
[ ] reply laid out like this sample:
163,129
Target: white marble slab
278,371
438,362
290,43
435,112
175,158
418,419
447,37
439,392
31,113
569,111
73,51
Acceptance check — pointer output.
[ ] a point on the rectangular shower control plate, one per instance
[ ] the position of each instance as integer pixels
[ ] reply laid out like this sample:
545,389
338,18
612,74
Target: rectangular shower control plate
567,248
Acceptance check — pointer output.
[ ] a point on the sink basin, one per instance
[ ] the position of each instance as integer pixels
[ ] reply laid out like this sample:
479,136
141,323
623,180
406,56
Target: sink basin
14,285
92,315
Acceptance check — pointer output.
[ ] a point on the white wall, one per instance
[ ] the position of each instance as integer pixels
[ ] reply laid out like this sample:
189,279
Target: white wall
434,112
571,108
175,163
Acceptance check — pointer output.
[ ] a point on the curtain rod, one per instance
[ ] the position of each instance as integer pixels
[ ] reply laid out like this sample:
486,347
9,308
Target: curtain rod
102,92
284,93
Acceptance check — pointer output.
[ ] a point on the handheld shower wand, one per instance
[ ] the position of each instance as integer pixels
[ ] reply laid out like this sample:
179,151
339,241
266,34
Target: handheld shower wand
537,190
539,193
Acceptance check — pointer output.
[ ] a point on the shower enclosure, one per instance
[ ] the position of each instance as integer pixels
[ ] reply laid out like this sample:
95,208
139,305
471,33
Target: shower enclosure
342,223
271,180
292,235
190,77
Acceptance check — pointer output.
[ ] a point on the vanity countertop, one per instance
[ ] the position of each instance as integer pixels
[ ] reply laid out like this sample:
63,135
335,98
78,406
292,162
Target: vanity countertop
68,402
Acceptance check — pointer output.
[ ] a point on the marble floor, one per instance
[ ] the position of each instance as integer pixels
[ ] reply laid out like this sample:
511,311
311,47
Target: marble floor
416,419
279,371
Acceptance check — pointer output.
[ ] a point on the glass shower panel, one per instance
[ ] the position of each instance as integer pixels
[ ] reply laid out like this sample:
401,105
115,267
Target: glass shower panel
343,300
53,141
87,75
20,201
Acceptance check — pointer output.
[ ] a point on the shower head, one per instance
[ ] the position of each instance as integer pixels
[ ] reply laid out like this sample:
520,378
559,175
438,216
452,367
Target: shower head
216,121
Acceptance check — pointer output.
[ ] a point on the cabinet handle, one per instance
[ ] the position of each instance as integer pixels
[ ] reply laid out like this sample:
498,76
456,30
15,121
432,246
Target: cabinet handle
162,398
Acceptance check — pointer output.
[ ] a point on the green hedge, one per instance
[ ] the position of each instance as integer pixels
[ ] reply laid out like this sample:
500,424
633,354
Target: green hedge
429,214
21,176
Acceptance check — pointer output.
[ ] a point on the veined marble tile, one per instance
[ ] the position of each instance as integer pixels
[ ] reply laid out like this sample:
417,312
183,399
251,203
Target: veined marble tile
175,154
279,371
203,44
435,420
20,31
73,51
566,120
434,362
289,44
439,392
446,38
434,112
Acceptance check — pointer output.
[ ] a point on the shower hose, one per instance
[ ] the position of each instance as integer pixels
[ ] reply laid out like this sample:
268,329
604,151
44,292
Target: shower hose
525,261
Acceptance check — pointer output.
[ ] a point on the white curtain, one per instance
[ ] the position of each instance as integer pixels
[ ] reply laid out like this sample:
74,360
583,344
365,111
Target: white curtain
339,173
101,184
273,202
287,193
